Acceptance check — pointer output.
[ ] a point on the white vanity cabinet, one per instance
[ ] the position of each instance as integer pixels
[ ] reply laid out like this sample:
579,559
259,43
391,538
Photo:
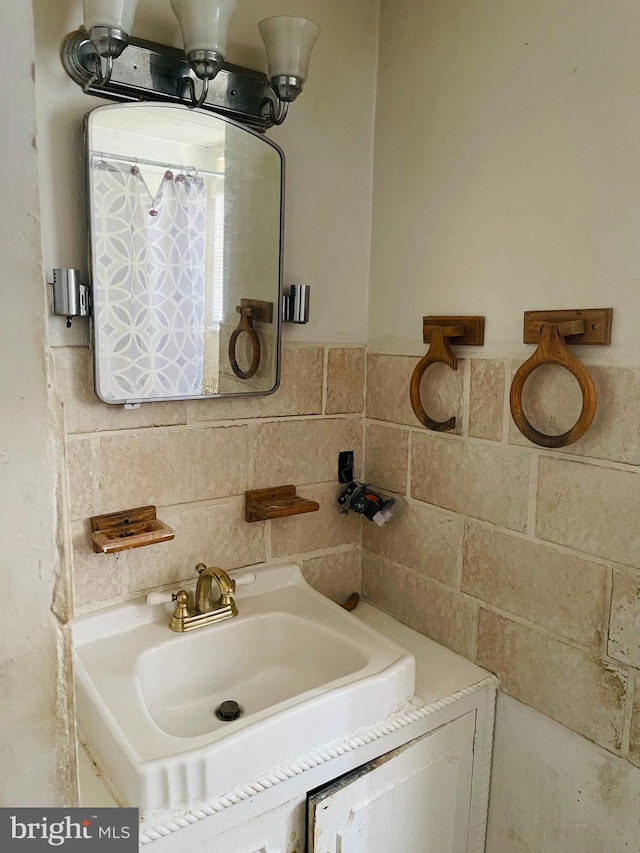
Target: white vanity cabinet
417,782
415,799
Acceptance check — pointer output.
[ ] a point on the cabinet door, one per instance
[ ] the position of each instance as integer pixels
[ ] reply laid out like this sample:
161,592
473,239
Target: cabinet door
281,830
415,799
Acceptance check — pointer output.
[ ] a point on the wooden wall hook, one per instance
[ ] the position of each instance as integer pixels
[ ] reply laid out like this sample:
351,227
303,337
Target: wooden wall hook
439,330
552,350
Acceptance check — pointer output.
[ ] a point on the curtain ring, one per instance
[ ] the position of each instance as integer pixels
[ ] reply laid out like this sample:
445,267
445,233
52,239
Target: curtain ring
439,351
245,325
552,350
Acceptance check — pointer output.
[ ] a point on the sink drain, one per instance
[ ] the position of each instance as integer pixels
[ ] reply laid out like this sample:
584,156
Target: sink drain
228,711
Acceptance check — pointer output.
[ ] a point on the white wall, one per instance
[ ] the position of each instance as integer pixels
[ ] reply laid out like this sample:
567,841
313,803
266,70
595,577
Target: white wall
35,769
506,179
554,792
327,139
506,168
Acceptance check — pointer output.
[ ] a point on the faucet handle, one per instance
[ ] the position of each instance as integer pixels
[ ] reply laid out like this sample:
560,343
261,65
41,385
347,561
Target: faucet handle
182,612
154,598
227,586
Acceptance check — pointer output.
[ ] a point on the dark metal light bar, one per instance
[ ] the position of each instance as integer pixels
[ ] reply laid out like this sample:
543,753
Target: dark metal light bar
148,71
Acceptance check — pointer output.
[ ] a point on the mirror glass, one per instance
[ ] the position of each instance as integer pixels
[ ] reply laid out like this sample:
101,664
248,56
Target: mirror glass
186,243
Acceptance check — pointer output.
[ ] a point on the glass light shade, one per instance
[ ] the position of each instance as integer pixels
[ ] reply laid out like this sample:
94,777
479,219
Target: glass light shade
204,23
288,42
118,14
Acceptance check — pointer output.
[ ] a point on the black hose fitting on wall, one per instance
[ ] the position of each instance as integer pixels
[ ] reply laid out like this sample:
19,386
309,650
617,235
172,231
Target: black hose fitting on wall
360,497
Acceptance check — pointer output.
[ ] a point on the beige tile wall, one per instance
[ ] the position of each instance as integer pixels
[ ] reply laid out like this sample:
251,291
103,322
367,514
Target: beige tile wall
524,559
194,460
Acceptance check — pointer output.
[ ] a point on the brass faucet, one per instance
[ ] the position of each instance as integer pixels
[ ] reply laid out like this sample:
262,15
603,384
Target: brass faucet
205,609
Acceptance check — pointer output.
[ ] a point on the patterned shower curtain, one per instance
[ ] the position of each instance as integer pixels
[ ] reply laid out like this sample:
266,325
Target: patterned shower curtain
150,263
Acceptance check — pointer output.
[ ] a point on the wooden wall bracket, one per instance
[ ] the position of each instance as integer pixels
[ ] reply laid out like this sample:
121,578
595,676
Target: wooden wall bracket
278,502
549,329
597,325
472,329
131,528
438,331
261,311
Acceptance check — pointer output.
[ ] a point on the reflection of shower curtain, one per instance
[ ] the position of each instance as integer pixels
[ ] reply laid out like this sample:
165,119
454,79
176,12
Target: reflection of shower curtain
150,267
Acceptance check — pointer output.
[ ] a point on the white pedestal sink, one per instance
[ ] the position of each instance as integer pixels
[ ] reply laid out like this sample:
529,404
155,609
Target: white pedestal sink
304,671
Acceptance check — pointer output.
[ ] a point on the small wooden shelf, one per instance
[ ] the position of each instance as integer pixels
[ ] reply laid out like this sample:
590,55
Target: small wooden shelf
278,502
131,528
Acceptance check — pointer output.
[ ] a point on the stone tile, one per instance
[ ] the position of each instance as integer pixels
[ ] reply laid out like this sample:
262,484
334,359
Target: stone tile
589,508
558,591
97,578
387,457
300,392
421,537
216,535
486,405
388,378
335,575
384,586
166,467
83,478
84,412
553,401
443,614
303,451
624,623
345,380
312,531
634,743
582,692
480,480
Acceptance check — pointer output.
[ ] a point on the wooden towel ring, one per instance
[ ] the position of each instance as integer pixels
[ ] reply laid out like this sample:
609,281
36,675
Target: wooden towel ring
439,351
552,350
245,325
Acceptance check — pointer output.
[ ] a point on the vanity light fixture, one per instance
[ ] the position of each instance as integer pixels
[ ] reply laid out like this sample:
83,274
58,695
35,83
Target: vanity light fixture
204,28
149,71
109,23
288,42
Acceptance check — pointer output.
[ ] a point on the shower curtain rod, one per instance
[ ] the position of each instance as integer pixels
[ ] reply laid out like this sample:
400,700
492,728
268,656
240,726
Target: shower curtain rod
105,155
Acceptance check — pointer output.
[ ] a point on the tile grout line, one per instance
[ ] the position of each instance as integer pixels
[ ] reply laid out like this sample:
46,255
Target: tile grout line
460,554
466,396
409,477
231,423
625,746
606,627
506,411
532,507
325,378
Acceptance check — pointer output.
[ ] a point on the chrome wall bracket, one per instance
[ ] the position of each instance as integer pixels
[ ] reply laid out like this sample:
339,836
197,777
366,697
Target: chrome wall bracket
295,304
70,297
148,71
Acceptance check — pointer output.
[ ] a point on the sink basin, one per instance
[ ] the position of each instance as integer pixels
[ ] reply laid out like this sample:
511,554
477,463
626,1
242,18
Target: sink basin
303,671
262,662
